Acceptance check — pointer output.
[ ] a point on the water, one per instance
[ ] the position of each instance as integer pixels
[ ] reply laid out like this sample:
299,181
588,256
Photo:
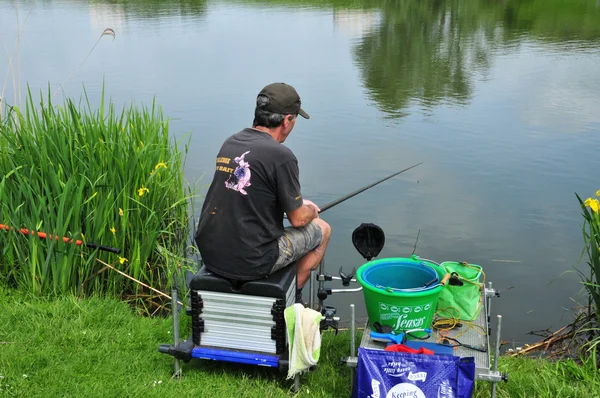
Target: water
499,100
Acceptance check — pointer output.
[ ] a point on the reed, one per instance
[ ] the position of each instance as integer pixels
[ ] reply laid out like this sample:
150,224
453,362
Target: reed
105,176
591,239
591,249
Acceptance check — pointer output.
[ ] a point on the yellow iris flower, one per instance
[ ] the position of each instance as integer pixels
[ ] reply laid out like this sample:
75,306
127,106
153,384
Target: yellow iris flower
159,165
143,190
593,204
122,260
120,211
113,230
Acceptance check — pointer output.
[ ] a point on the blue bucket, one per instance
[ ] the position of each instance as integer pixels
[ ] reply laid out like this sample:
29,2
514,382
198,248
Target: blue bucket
401,276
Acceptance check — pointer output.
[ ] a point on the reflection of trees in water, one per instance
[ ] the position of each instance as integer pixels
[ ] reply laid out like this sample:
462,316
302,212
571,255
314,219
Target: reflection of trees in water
425,51
552,21
143,9
430,52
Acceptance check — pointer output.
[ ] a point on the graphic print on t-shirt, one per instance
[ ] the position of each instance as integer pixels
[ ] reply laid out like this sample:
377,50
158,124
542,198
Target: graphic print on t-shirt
240,179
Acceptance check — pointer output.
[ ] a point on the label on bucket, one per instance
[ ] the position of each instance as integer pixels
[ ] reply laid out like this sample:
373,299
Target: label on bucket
405,317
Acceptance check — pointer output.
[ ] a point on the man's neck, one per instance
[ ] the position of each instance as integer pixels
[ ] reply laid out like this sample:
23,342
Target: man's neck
272,132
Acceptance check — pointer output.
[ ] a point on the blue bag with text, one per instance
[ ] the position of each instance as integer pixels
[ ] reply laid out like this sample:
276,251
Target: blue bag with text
388,374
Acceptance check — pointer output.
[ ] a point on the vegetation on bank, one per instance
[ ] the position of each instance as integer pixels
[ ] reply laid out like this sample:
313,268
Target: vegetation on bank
591,236
115,178
101,176
97,347
580,338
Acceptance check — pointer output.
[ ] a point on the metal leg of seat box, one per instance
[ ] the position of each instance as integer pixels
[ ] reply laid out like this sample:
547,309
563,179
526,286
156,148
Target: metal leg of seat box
177,370
296,383
496,354
352,339
311,290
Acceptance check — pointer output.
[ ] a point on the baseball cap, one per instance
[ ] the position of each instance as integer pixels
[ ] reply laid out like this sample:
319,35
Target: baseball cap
284,99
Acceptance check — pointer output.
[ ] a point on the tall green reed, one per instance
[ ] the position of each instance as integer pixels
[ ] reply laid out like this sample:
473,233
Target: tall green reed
591,281
591,237
103,176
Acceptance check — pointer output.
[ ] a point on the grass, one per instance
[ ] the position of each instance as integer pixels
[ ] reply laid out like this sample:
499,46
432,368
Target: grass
530,377
97,347
109,177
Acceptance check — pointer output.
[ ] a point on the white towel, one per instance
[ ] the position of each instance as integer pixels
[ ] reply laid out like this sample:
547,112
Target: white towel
304,338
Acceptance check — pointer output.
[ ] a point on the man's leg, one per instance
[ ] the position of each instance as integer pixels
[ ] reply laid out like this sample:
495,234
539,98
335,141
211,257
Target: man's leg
311,260
306,246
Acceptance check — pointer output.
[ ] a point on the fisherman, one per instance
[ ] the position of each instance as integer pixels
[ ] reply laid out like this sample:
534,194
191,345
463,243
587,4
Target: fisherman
241,233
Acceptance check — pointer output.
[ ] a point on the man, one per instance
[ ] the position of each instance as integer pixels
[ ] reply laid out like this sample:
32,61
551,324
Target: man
241,234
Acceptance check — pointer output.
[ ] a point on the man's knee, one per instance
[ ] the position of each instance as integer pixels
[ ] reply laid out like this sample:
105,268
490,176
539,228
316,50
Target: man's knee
325,229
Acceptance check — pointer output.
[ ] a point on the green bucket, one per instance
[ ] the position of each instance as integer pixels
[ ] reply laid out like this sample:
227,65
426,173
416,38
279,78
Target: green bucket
401,292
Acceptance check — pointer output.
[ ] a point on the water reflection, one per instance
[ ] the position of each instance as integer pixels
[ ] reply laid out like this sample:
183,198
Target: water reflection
355,23
552,21
117,14
427,53
148,9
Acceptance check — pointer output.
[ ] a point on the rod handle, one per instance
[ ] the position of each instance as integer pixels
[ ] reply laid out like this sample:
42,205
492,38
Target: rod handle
105,248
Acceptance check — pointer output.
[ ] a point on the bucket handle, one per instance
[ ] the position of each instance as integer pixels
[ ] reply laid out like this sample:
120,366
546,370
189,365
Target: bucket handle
446,278
391,289
431,282
442,282
417,258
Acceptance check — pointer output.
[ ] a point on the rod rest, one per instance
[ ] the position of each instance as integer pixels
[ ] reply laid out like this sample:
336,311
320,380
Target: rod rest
274,285
329,320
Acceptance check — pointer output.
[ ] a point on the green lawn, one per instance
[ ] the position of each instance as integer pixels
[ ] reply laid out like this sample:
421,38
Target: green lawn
99,348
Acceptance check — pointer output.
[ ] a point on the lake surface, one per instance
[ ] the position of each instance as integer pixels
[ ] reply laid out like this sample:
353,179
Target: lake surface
499,100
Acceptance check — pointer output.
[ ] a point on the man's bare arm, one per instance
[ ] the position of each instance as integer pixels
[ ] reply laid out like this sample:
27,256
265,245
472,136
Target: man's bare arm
304,214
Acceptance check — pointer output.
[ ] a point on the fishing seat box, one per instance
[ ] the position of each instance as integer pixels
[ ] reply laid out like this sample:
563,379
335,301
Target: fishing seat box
242,315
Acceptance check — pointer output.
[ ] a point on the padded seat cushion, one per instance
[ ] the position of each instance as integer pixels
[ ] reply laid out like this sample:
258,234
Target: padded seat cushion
275,285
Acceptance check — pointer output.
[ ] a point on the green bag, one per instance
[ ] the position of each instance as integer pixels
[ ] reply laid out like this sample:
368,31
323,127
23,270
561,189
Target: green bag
461,302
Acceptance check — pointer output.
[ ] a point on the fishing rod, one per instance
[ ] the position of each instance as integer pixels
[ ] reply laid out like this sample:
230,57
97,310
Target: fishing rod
43,235
374,245
352,194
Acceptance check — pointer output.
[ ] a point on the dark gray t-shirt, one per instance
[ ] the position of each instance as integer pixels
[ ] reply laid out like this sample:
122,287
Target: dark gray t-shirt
255,182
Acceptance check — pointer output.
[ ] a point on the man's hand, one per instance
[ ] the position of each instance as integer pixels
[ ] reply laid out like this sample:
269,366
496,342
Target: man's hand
310,203
304,214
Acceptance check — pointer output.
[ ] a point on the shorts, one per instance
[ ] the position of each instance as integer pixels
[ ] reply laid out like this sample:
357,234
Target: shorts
297,242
